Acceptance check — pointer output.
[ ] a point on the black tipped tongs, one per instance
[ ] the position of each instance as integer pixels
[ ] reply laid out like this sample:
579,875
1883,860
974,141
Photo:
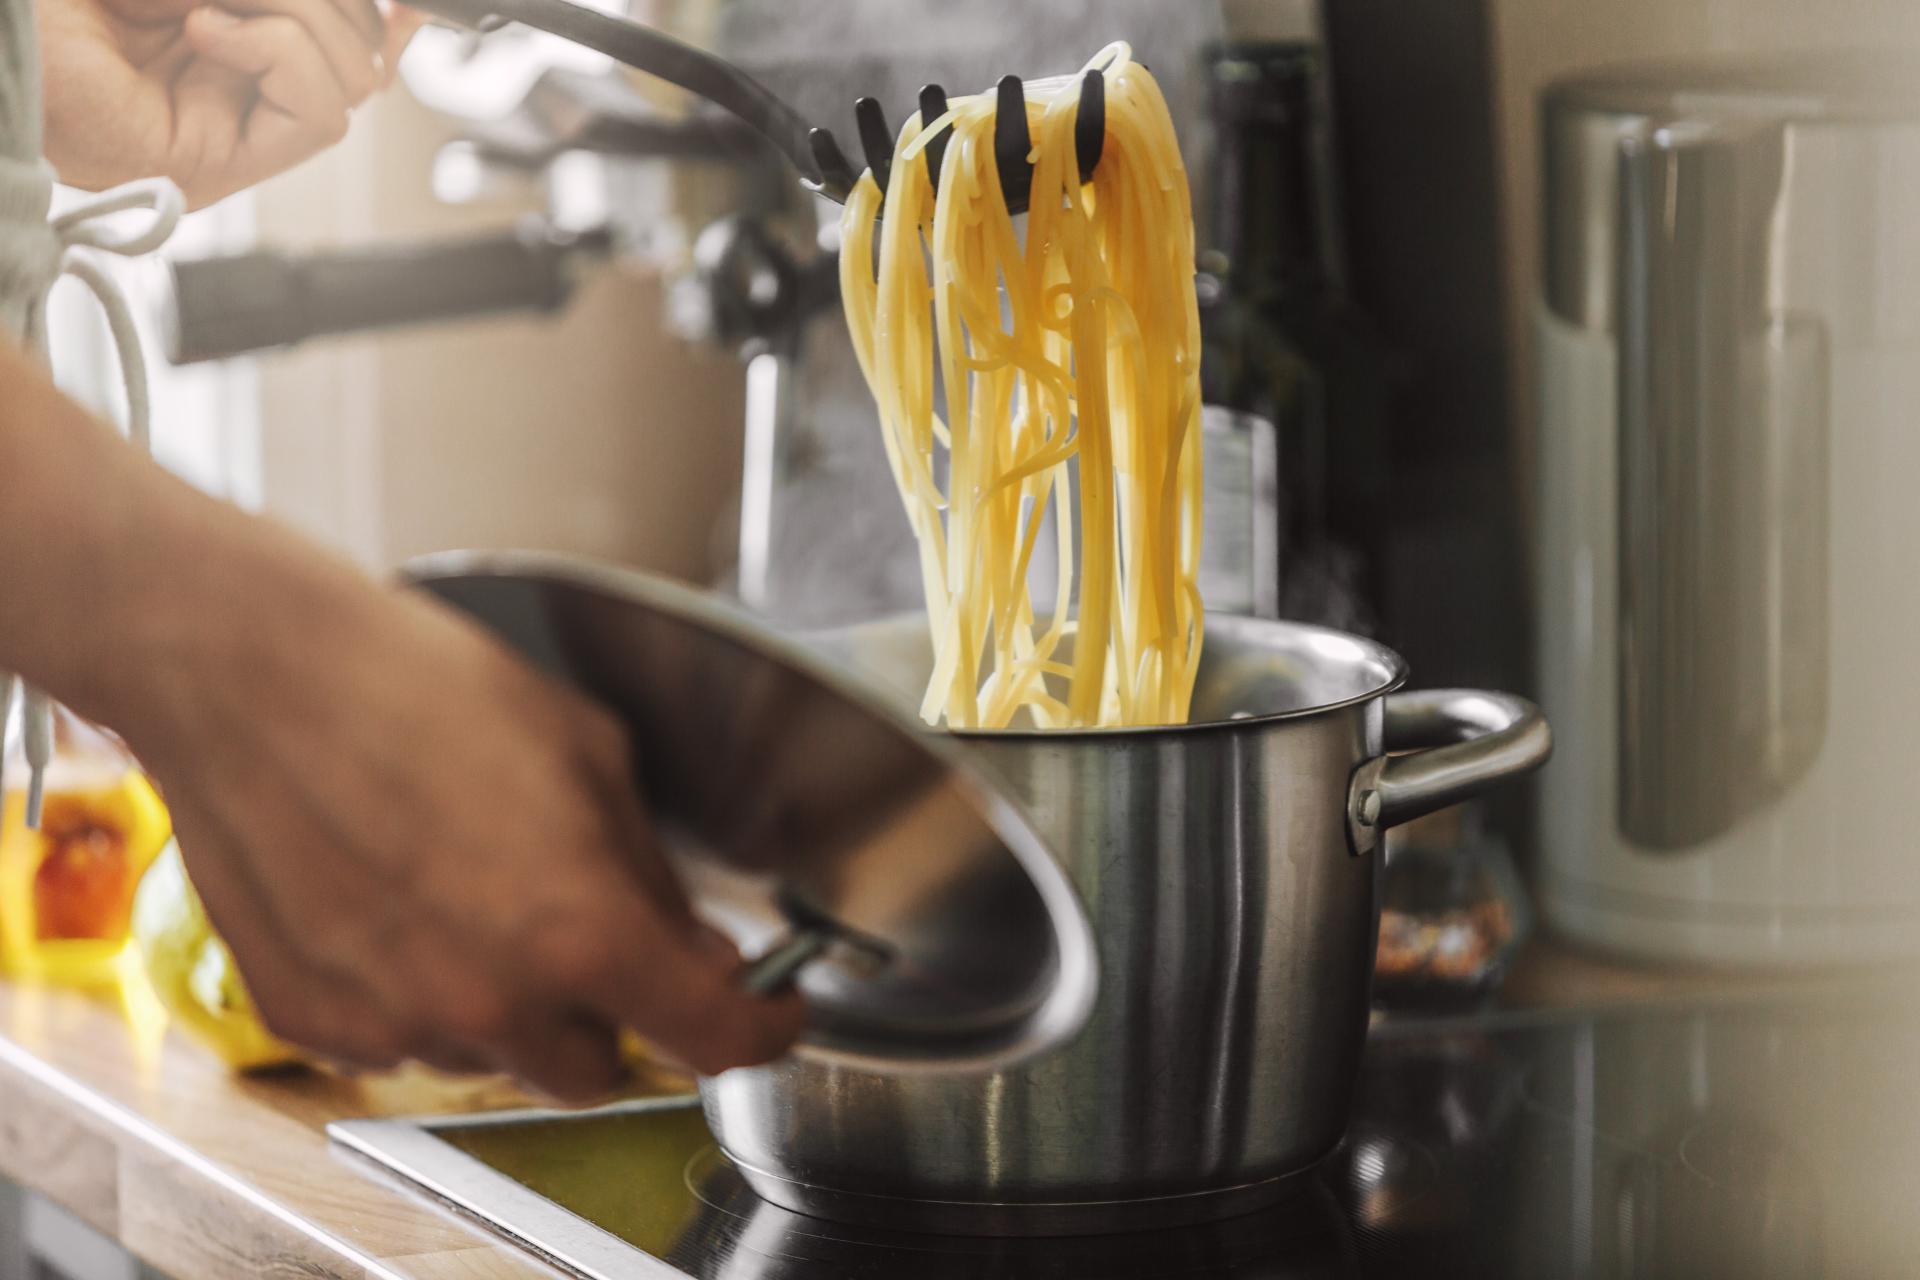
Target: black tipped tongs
811,150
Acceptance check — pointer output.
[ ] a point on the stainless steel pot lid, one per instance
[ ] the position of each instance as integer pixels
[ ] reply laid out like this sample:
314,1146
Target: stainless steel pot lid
814,822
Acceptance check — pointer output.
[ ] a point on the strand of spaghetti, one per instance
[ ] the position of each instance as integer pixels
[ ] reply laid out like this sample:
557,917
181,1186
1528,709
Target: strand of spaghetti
857,273
1067,359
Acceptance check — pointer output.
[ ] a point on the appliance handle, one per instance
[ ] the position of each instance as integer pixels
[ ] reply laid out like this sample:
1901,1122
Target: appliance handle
1456,744
228,306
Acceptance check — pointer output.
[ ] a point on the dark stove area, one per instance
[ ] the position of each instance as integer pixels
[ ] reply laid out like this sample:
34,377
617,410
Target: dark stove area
1744,1143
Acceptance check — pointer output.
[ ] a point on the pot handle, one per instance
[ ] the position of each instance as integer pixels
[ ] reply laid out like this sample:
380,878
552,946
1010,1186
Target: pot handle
1458,742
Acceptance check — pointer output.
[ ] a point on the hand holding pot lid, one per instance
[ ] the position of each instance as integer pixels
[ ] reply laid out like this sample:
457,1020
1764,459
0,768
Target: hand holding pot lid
797,803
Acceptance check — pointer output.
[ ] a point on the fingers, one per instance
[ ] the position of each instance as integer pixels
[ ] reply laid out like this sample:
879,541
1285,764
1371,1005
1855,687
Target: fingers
352,38
474,1014
657,968
301,109
573,1058
610,771
506,909
680,988
304,66
210,105
351,33
740,1029
368,978
293,72
332,1019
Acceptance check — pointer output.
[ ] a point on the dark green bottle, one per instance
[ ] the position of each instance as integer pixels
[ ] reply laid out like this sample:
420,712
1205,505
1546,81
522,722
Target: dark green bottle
1282,338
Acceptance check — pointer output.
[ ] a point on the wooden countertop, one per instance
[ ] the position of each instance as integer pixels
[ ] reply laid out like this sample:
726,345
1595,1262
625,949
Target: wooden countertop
208,1176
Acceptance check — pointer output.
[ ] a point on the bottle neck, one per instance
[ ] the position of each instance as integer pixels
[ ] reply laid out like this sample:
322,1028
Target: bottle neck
1270,203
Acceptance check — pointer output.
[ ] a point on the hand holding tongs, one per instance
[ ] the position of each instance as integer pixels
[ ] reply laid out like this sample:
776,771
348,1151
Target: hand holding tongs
811,150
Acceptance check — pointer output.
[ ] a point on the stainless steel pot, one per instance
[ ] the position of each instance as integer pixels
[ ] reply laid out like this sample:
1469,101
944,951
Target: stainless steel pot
1228,869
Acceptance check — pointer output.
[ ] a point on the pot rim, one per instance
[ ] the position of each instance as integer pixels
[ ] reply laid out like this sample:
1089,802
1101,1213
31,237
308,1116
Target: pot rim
1393,664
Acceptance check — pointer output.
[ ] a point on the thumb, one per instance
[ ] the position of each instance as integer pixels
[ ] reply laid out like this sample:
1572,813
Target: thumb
714,947
737,1028
687,1000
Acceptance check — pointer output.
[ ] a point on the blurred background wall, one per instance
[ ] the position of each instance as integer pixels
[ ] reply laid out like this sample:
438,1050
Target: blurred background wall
593,431
600,432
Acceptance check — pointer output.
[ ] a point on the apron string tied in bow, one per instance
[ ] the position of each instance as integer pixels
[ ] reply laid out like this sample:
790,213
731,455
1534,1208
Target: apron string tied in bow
34,253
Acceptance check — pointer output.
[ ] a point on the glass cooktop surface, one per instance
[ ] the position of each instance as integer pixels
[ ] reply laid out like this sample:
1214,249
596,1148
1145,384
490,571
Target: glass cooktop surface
1743,1143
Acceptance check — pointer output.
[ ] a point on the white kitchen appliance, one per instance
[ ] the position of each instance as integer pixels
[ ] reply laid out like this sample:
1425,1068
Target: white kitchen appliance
1728,523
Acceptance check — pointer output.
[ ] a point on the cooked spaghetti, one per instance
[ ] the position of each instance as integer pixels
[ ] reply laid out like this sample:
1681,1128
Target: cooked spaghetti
1068,360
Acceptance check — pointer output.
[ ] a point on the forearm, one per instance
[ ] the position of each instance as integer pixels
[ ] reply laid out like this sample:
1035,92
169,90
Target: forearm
120,585
69,500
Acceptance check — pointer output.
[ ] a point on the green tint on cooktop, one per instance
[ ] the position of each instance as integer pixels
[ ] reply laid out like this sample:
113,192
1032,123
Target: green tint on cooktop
625,1172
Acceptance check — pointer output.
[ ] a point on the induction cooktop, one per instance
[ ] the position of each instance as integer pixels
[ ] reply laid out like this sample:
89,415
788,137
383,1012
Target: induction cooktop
1742,1142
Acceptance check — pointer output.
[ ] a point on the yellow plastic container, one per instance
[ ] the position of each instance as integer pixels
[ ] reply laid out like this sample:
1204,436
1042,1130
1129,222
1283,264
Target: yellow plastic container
190,974
66,889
